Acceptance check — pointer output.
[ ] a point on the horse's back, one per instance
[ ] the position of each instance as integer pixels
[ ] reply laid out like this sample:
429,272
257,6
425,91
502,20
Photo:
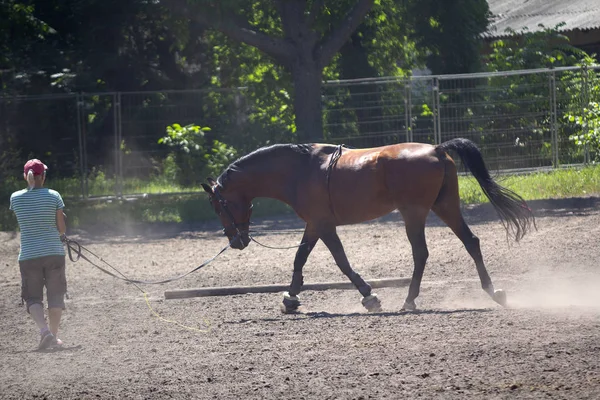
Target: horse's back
368,183
414,173
418,158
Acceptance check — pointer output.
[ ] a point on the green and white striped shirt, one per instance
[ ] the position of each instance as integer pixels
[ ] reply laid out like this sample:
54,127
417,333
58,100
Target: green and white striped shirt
36,213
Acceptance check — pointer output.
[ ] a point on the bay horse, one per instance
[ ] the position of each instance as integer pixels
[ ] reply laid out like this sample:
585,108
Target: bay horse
328,186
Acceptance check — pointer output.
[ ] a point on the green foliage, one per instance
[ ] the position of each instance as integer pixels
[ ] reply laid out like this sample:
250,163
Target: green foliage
381,46
71,46
263,111
525,97
588,128
220,156
386,37
539,49
450,33
395,38
194,155
185,138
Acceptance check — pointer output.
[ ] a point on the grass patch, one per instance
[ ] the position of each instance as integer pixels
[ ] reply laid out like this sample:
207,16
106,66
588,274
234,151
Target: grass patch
101,186
560,183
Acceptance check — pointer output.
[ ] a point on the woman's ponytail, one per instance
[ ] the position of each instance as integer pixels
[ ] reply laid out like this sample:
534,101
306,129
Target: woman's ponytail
30,179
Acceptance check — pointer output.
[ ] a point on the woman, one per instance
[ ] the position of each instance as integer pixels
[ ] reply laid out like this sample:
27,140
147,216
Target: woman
41,220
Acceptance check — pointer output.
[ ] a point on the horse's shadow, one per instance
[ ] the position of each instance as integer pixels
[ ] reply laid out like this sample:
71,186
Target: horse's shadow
302,316
324,314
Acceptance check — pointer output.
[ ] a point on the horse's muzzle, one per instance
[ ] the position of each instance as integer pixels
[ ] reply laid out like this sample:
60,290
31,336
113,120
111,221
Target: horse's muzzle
241,241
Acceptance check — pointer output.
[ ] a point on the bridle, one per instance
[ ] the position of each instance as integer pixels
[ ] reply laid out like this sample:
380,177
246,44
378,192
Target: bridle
238,228
235,226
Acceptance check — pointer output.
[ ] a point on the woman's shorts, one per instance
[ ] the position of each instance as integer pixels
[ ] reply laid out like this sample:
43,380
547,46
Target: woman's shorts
46,271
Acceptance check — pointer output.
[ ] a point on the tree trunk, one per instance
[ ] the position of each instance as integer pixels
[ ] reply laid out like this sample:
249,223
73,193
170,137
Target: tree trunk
305,65
302,49
307,76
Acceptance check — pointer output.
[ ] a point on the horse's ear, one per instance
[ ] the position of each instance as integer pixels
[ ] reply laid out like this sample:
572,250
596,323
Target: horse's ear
211,181
207,189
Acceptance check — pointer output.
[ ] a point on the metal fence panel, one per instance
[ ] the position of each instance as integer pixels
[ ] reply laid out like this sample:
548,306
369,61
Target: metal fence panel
507,116
99,132
144,117
369,113
520,119
56,116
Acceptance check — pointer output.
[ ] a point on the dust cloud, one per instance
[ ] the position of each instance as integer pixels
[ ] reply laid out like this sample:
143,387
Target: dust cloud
559,292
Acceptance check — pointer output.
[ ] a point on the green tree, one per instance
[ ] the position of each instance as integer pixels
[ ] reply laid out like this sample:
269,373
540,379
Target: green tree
451,31
381,46
69,46
395,38
288,33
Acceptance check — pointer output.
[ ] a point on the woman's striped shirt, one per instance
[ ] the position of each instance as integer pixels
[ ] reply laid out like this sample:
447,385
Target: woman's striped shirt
36,214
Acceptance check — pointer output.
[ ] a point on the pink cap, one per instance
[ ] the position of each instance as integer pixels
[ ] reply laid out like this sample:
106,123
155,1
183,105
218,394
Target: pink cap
36,166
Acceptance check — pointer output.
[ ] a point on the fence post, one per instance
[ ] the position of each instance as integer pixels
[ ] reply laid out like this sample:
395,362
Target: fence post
408,109
116,128
120,139
553,123
84,127
435,87
585,101
78,105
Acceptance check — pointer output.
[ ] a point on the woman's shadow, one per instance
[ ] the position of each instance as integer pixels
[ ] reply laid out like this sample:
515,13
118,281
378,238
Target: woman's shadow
57,349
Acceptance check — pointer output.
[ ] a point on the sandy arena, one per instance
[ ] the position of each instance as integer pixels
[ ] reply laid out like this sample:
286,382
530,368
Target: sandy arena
460,343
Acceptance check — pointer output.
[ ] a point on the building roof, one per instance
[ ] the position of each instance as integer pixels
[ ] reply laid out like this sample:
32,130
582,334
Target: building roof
517,14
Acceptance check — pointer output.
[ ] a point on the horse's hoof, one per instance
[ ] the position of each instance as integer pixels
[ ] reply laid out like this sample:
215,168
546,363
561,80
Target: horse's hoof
372,303
290,304
409,306
290,310
499,297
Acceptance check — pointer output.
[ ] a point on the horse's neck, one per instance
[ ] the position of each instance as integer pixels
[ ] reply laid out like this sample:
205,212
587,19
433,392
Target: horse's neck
272,179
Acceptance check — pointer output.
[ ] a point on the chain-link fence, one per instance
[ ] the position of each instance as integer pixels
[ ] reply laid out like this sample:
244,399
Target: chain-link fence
110,139
520,119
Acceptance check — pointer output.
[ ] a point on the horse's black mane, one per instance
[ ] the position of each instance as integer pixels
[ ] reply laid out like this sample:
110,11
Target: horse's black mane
241,162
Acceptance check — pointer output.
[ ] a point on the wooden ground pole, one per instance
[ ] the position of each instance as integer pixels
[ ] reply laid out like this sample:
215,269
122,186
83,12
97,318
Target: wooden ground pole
233,290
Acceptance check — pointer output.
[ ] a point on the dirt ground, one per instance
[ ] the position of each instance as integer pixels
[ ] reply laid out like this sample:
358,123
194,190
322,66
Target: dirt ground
546,344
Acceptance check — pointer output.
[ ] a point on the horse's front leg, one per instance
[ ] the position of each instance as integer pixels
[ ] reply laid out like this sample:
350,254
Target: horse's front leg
370,301
291,302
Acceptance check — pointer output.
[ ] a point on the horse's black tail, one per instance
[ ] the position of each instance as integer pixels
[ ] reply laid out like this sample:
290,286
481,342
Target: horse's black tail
514,213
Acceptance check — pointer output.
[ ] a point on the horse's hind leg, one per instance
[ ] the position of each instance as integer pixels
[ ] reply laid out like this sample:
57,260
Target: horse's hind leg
447,207
334,244
414,220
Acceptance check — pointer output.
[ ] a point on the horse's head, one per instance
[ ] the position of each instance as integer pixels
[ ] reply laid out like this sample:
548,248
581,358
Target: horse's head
233,210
